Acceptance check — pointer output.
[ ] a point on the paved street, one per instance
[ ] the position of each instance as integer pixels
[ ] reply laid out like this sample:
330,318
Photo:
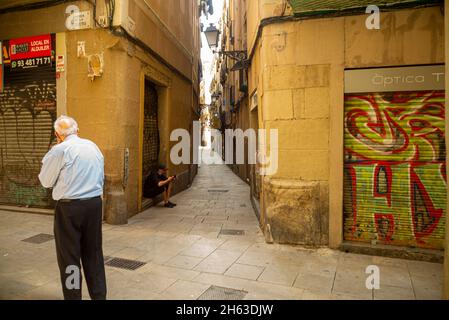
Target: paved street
185,253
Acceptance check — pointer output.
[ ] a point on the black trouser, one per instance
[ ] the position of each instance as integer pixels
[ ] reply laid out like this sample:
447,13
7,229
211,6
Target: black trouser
155,191
78,236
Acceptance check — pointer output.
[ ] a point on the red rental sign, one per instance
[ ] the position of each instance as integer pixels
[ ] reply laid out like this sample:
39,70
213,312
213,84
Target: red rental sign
30,47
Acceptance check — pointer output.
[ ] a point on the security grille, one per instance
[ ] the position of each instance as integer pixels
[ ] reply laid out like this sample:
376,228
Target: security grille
124,263
221,293
395,186
27,113
39,238
232,232
150,131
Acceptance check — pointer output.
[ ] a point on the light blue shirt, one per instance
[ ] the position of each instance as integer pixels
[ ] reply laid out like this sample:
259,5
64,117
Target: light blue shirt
74,169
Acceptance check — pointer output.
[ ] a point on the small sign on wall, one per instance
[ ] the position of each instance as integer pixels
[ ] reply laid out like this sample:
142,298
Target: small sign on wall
77,20
253,101
419,78
60,66
81,49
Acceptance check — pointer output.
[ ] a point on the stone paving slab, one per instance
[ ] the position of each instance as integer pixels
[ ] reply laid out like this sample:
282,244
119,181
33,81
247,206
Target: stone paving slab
184,254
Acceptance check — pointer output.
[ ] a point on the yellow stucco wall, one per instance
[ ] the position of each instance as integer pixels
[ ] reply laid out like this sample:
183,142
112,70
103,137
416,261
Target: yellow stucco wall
298,71
109,110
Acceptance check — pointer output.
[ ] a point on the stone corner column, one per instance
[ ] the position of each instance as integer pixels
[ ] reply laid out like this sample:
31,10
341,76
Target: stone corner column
115,209
294,212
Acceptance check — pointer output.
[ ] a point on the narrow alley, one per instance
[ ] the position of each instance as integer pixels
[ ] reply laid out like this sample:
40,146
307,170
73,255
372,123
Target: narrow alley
208,247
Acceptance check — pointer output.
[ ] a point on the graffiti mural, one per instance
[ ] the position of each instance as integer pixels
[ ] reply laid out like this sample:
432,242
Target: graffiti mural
27,113
395,174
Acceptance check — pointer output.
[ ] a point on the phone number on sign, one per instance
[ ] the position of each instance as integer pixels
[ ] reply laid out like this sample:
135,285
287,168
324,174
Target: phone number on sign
30,63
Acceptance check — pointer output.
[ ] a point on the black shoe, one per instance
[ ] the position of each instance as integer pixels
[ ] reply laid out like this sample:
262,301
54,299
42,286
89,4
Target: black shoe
171,203
168,205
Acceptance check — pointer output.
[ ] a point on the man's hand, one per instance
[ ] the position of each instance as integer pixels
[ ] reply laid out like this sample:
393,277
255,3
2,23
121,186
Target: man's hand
163,183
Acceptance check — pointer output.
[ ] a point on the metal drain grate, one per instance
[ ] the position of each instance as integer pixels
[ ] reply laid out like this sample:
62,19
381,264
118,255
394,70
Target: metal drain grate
232,232
243,205
39,238
221,293
124,263
218,190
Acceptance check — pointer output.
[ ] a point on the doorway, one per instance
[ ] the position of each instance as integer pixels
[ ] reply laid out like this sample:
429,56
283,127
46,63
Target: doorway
151,137
255,168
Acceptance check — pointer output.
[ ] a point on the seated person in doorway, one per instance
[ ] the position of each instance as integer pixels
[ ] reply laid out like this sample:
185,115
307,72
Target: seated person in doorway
157,183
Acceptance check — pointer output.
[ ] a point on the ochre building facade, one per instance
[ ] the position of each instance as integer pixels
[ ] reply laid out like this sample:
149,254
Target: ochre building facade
361,118
129,75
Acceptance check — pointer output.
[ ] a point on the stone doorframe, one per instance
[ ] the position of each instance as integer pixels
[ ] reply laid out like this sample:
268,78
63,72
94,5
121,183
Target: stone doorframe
163,84
336,155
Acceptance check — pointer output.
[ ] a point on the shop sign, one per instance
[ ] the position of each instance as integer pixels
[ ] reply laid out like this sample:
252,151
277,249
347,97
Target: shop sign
30,47
30,52
418,78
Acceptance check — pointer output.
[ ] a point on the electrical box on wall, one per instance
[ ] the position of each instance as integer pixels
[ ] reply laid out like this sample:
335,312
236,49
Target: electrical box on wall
121,17
121,13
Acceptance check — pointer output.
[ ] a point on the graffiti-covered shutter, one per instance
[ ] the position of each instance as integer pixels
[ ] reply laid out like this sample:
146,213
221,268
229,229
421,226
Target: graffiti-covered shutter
395,175
27,113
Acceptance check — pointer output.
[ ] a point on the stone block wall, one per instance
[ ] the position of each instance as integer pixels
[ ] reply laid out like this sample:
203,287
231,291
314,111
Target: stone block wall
298,72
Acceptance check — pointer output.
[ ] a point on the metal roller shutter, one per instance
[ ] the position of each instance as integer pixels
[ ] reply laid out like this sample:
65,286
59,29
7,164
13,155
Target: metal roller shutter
395,175
27,113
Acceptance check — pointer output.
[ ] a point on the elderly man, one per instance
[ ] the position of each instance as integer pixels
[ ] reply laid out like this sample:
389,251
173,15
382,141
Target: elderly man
74,168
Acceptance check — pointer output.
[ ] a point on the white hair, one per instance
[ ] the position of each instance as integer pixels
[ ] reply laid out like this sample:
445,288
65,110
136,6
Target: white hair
66,126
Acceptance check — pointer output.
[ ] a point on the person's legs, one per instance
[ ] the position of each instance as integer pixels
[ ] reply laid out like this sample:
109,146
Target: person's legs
91,249
169,190
68,250
170,185
166,193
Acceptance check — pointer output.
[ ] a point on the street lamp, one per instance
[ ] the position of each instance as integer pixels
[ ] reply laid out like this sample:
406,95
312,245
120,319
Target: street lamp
212,36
